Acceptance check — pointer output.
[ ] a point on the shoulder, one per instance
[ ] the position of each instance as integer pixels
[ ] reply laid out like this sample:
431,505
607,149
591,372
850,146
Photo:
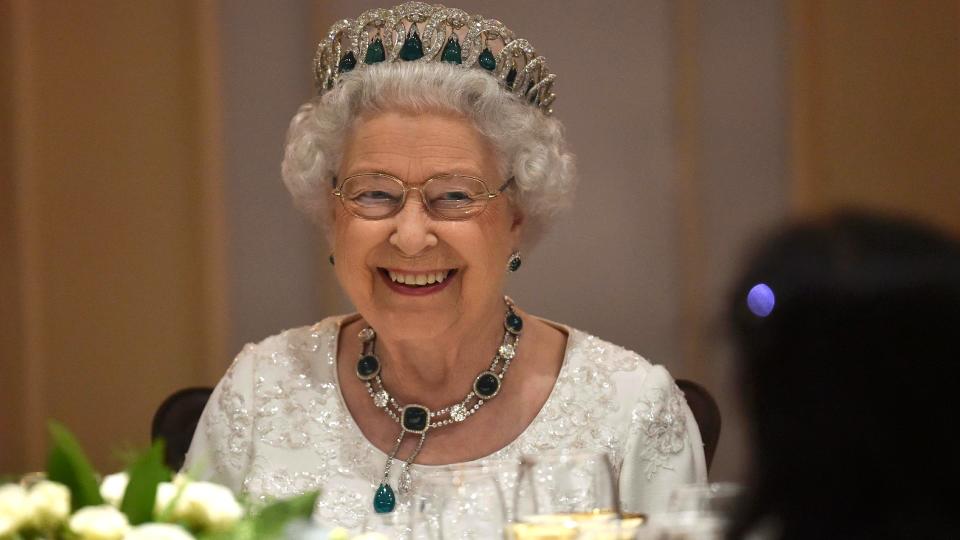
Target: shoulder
650,405
659,442
600,390
293,339
305,350
588,351
641,385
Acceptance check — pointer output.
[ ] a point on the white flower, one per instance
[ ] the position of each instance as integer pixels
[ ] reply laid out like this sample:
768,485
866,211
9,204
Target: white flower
50,502
165,494
202,505
166,491
14,505
102,522
6,527
207,506
113,487
158,531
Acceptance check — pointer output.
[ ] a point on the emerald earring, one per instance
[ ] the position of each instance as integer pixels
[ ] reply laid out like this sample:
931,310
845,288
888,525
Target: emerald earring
513,263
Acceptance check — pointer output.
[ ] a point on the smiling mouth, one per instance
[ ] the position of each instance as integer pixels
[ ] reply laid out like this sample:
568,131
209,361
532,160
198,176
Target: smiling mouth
417,279
417,283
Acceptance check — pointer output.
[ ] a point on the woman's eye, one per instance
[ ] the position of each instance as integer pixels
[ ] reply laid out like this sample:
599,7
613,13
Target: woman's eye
373,197
454,196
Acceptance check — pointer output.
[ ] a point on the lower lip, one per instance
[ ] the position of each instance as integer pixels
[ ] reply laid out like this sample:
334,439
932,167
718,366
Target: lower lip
416,291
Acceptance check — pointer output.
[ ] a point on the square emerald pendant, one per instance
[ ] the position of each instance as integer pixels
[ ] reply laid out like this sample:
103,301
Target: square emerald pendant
415,418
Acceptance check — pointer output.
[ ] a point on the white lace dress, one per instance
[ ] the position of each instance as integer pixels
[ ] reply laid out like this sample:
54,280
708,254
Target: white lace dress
277,425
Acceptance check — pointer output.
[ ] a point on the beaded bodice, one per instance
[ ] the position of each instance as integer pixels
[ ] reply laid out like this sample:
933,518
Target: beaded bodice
277,425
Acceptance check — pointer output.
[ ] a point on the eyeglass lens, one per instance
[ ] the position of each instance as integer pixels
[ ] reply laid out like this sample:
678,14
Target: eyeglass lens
377,196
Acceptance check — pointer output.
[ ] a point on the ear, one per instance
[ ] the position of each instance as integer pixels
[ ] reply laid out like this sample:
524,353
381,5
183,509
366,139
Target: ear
516,226
518,219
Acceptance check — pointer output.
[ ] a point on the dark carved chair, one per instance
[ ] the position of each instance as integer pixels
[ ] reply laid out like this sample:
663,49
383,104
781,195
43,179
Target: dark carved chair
176,420
707,414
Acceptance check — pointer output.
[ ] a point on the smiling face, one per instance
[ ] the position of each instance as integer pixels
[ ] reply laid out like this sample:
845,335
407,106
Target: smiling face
413,276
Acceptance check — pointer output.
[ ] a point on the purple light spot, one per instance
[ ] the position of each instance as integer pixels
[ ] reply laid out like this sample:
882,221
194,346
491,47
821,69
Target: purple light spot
761,300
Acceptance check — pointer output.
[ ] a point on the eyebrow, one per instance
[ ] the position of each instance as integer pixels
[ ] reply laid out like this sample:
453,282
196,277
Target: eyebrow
453,172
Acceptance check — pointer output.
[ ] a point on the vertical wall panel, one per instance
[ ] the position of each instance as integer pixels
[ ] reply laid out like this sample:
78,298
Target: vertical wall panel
112,172
274,253
12,391
876,106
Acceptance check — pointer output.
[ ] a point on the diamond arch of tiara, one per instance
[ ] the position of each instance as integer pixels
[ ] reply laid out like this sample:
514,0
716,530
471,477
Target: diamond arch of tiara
518,68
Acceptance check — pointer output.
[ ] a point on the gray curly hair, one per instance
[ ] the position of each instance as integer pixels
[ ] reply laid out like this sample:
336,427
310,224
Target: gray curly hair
531,146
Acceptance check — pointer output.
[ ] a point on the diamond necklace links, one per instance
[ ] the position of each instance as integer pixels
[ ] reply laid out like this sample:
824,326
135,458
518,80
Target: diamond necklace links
418,419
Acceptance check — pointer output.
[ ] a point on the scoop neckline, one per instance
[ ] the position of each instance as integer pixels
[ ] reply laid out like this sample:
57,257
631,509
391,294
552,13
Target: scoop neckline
573,341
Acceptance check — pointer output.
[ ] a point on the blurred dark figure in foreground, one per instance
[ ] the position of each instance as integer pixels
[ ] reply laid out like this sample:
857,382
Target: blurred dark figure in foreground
848,334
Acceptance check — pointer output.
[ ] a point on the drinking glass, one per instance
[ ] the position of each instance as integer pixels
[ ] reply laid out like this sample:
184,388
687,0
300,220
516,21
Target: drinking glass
700,511
561,493
718,498
459,503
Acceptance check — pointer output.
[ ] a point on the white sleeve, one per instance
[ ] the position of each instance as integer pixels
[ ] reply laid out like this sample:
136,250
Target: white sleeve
221,449
664,450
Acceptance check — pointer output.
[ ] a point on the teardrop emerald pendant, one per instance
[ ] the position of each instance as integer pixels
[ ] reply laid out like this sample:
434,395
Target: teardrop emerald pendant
384,501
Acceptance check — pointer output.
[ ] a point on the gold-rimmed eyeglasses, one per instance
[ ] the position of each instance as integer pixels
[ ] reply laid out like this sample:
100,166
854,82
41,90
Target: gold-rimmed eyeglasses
445,196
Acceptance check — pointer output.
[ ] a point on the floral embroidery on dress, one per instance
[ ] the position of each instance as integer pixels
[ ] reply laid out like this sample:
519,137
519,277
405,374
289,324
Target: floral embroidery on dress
582,409
267,478
662,422
232,414
342,506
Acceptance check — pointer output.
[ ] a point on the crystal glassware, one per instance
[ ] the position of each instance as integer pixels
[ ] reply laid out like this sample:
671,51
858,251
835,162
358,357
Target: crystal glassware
718,498
700,511
562,494
459,503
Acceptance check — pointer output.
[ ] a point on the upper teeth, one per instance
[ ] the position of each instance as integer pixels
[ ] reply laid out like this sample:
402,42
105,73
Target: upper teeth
418,279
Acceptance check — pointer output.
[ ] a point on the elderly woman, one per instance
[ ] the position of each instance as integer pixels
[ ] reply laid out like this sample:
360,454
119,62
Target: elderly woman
431,157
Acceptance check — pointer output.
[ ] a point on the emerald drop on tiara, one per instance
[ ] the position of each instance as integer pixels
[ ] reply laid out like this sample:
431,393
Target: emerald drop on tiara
347,63
487,60
451,51
412,46
375,52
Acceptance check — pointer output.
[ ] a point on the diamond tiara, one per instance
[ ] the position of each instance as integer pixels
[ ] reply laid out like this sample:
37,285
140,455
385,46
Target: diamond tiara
447,35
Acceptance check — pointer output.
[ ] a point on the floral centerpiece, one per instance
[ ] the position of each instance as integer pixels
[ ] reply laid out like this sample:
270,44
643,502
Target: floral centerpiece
145,502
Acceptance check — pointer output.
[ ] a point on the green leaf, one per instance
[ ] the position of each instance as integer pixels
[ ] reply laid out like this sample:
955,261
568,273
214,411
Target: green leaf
271,520
68,465
243,530
146,473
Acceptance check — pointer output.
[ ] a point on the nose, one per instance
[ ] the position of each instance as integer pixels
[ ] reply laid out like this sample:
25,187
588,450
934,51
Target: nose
414,228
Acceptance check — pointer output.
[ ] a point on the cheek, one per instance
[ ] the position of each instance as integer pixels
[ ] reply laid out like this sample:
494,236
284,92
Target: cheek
496,230
490,242
354,241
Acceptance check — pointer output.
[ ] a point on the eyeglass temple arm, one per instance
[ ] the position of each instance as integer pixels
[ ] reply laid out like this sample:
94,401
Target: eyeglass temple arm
502,188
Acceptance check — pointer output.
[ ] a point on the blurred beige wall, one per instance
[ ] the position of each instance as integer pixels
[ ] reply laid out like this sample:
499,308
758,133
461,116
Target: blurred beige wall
145,234
112,222
876,99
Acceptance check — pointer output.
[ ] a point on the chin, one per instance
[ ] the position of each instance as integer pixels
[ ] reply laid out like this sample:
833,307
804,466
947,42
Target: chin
415,324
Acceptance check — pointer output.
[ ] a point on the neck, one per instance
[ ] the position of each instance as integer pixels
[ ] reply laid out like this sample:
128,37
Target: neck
441,370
